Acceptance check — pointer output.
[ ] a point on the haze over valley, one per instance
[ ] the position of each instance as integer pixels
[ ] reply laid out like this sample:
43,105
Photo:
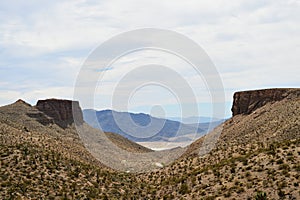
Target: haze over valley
171,100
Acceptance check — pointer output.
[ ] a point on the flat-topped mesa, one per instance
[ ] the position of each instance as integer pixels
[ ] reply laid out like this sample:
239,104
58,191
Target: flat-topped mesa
246,102
63,112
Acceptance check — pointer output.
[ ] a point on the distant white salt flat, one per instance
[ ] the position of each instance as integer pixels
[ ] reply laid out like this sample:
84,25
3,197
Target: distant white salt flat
158,146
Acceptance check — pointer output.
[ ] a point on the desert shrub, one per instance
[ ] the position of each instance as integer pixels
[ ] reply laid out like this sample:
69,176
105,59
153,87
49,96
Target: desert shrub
284,167
209,198
279,162
232,170
297,167
260,196
184,189
228,194
248,174
281,193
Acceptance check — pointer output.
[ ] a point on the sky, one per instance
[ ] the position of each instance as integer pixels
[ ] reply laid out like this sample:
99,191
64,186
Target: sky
43,45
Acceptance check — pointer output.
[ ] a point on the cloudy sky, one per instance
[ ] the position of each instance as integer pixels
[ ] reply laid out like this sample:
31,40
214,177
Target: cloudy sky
253,44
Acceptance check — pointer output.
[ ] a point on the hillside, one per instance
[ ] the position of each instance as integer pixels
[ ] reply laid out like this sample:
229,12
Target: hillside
257,154
53,119
276,119
126,144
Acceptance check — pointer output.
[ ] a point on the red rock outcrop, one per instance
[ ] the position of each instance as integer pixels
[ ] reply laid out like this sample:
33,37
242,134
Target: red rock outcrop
63,112
246,102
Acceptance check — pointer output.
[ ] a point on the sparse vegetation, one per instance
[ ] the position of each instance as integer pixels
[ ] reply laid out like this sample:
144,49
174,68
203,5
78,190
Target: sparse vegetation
260,196
44,162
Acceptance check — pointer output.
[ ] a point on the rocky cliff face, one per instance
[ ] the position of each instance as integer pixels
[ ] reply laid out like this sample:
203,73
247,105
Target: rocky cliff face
63,112
247,102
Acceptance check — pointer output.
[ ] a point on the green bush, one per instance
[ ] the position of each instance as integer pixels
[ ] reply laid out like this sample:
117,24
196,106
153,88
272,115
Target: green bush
184,189
260,196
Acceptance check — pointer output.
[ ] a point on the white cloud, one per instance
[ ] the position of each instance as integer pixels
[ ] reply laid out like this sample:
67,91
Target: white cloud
254,44
8,96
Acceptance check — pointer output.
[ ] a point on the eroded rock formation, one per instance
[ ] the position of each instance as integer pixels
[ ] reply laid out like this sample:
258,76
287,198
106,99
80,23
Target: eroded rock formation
63,112
246,102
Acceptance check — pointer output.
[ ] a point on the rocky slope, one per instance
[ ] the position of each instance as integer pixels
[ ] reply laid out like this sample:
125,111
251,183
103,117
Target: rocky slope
126,144
256,155
54,119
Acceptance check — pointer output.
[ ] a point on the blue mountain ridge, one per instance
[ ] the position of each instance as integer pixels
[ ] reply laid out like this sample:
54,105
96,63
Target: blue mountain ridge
140,127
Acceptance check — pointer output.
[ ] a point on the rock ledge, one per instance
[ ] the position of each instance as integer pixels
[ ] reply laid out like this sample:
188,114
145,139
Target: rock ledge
63,112
246,102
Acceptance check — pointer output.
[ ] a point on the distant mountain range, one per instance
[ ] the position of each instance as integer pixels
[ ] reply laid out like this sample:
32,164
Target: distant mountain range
195,120
145,128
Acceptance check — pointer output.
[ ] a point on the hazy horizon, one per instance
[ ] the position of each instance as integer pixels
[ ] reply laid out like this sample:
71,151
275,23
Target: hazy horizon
253,45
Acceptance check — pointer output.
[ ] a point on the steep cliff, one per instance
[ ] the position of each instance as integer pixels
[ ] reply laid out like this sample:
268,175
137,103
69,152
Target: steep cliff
63,112
246,102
